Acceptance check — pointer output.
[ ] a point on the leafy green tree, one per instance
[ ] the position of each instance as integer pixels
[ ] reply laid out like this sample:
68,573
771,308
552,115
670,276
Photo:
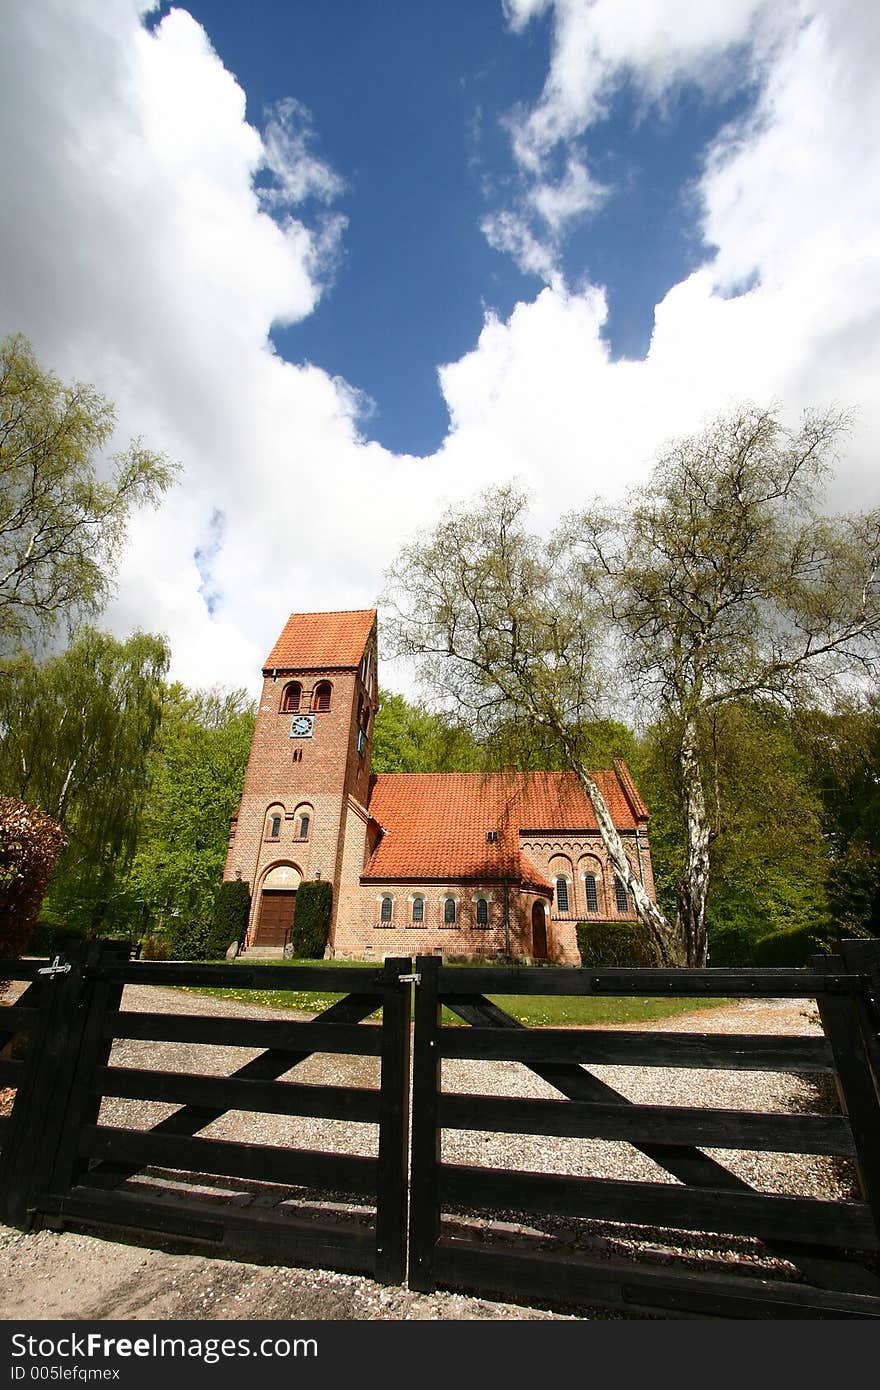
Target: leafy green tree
844,750
725,583
769,853
195,775
409,738
506,634
719,583
78,730
62,524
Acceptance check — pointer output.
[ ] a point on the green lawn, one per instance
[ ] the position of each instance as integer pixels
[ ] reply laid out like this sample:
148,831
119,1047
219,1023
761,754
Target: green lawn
535,1010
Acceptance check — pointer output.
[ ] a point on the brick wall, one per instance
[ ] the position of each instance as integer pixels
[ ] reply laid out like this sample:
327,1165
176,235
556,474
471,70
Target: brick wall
319,779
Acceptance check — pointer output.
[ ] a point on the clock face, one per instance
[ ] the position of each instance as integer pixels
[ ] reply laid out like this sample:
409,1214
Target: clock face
302,726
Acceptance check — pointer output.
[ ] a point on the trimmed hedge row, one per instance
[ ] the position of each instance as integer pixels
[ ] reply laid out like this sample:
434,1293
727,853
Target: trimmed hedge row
232,905
311,921
627,945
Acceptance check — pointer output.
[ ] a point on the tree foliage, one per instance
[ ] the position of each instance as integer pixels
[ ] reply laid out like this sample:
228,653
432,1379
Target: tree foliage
62,525
725,583
30,842
505,632
78,730
410,738
195,773
719,583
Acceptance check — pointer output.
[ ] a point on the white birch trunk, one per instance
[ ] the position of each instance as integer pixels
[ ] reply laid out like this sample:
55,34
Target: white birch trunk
662,932
695,886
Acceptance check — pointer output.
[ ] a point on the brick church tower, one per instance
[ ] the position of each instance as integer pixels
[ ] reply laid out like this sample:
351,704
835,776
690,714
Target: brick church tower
309,768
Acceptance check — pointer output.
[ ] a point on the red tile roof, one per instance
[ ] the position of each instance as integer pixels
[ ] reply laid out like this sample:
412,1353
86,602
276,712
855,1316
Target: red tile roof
435,824
313,641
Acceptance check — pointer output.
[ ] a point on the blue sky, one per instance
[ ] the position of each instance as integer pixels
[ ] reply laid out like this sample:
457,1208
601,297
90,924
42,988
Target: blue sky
416,272
351,262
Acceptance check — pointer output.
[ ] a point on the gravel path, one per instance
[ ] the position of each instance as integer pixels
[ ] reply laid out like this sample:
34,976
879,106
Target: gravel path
73,1275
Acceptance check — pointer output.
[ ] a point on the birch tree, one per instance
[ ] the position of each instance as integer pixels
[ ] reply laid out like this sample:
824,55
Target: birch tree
726,583
64,507
502,629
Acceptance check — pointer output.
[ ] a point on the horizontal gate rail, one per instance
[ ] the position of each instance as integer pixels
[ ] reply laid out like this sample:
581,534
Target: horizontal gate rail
620,1284
364,1040
307,978
803,1220
664,1124
690,1050
818,1235
724,984
260,1162
238,1232
359,1104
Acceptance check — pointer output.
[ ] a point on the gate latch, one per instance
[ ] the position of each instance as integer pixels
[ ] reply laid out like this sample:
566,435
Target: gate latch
409,979
56,968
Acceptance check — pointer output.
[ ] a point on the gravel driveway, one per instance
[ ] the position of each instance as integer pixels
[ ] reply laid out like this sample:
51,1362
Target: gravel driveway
71,1275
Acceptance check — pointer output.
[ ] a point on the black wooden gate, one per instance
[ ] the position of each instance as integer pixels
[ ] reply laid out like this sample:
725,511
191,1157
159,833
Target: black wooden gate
831,1244
61,1160
66,1158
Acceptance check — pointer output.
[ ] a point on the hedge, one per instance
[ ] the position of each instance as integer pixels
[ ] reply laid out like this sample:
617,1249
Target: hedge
311,920
232,905
625,944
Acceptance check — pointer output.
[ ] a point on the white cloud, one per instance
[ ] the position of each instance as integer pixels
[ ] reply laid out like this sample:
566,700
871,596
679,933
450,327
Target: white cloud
136,252
597,45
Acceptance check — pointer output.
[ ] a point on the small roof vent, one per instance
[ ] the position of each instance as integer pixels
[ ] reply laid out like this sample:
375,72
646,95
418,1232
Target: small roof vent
491,836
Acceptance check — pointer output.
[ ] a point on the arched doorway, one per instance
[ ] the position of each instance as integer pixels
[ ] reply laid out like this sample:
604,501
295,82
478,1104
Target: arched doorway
539,932
277,906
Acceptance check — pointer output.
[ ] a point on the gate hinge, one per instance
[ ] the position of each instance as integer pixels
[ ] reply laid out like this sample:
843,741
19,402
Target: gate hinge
56,968
409,979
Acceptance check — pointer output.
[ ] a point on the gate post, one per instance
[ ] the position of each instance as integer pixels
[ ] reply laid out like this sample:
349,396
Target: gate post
391,1193
850,1029
424,1220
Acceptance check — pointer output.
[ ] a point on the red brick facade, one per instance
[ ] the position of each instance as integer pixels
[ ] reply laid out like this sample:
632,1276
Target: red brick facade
458,864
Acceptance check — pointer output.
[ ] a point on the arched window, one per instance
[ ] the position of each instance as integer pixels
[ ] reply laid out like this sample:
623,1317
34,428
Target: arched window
482,917
418,911
291,697
321,695
591,892
561,895
449,912
304,823
386,910
620,895
274,827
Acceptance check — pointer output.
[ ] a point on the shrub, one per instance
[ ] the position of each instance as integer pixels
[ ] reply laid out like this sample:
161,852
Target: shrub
732,947
188,940
232,905
30,842
154,949
311,921
48,938
790,947
625,944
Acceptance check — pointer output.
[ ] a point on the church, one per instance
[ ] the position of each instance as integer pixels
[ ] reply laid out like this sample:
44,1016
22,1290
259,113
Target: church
472,865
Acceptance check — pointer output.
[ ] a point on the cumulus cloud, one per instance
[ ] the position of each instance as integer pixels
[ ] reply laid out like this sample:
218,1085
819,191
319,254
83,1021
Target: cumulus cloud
785,307
140,249
597,46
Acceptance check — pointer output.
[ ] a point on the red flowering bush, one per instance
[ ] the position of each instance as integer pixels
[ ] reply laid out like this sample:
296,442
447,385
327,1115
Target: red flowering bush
30,842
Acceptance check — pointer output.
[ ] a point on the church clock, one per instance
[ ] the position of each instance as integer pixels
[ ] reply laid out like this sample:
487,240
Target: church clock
302,726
